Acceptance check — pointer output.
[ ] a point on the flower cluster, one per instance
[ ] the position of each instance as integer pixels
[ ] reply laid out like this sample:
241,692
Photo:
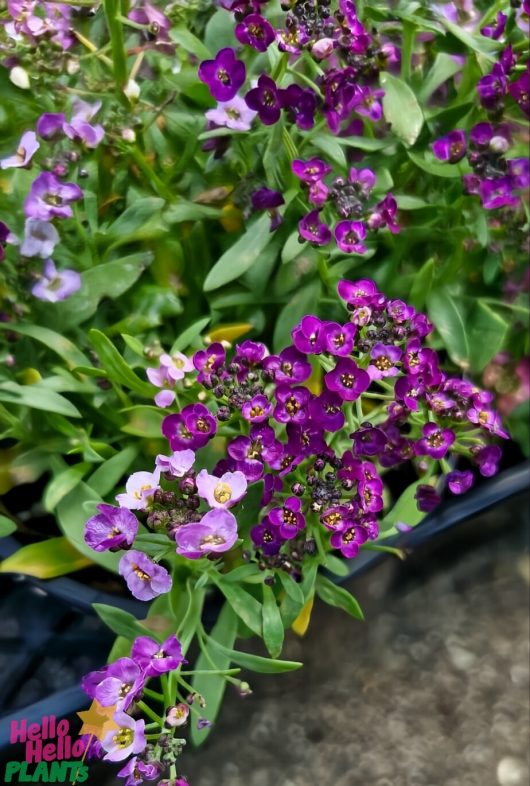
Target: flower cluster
51,198
347,200
496,179
495,87
121,685
34,21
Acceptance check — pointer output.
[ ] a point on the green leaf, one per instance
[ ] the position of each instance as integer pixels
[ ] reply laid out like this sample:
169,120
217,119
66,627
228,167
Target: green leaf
109,474
478,43
62,484
59,344
144,421
7,526
241,256
248,509
133,218
37,396
434,167
188,336
189,42
338,597
256,662
448,314
110,279
405,509
46,560
121,622
407,202
487,332
335,565
245,605
273,631
401,108
211,686
421,284
443,68
331,148
134,344
115,366
190,211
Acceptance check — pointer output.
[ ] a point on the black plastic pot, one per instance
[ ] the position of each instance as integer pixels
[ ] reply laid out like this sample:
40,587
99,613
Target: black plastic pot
55,612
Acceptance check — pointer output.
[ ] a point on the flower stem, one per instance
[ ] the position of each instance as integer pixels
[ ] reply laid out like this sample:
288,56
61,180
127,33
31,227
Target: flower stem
119,56
150,713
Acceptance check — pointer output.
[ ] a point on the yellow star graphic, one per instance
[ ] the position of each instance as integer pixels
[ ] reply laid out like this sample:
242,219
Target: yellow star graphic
98,720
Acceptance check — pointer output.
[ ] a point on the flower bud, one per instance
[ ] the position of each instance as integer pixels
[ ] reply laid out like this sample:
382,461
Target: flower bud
19,77
178,715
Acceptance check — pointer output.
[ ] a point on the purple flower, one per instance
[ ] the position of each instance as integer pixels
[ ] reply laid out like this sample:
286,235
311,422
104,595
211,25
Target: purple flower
128,739
347,379
265,100
427,498
318,193
122,684
326,410
176,465
383,361
338,339
451,148
27,147
50,198
518,172
172,368
145,579
54,285
267,537
368,103
313,230
358,293
399,311
349,236
178,715
520,92
209,361
221,492
79,129
50,124
349,540
488,459
288,518
481,135
4,235
256,32
497,193
363,180
111,529
251,452
139,490
293,39
492,88
487,418
436,441
337,518
459,482
40,239
310,171
257,410
495,31
266,199
154,658
138,771
300,104
216,532
307,335
191,428
368,441
292,404
233,114
371,495
289,367
384,215
224,75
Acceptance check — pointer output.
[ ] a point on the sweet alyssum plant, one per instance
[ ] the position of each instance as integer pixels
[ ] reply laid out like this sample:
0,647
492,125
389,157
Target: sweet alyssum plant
277,467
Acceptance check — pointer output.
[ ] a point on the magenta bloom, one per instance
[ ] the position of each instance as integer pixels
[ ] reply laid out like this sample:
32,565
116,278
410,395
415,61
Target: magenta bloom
50,124
497,193
221,492
154,658
215,533
347,379
384,215
300,104
267,537
122,684
358,293
56,285
339,339
349,541
289,518
266,199
350,235
326,410
289,367
138,771
436,441
488,459
459,482
111,529
383,361
265,100
257,410
27,147
520,92
427,498
292,404
145,579
128,739
450,148
495,31
307,335
191,428
224,75
256,32
50,198
313,230
310,171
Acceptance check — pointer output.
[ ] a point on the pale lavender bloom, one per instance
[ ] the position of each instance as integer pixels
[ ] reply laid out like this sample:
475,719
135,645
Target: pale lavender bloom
129,738
154,658
180,462
145,579
112,528
27,147
79,129
40,238
215,532
234,114
139,490
50,124
50,198
221,492
171,369
55,285
122,683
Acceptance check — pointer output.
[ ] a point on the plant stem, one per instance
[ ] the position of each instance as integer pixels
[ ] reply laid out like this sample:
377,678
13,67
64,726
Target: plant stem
153,694
158,185
409,35
150,713
119,56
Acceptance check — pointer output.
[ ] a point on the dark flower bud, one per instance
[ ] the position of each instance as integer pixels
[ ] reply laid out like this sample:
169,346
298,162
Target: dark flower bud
188,485
269,581
310,546
298,489
319,464
193,503
223,414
